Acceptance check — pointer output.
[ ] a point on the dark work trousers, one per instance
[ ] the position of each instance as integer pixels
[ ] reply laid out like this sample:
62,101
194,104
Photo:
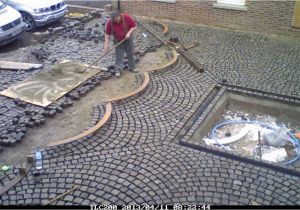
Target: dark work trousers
128,47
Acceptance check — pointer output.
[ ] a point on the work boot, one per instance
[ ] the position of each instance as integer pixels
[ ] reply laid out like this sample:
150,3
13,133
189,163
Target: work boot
118,74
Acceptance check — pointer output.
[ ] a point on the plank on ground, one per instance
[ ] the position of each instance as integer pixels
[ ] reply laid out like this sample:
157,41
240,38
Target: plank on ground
18,65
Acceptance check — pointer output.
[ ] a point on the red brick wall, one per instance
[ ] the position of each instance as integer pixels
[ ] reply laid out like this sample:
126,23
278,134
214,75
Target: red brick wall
262,15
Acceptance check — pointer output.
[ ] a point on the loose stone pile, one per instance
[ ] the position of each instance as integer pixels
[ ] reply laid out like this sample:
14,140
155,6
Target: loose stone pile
72,41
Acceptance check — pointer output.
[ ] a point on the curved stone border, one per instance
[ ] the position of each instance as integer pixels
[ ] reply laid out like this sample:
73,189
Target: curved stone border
141,88
105,118
165,27
155,21
175,58
109,105
88,132
147,78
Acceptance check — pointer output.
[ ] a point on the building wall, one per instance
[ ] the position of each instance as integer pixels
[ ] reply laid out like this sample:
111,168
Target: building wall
274,16
89,3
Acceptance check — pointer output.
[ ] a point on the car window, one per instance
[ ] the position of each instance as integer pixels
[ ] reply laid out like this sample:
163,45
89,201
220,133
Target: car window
2,5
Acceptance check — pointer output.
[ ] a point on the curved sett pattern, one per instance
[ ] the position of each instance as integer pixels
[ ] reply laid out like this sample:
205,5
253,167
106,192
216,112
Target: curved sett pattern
71,51
153,115
133,158
7,176
99,120
16,117
244,59
152,174
88,131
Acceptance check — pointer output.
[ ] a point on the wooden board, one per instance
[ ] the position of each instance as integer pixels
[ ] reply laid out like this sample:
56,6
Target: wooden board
17,65
50,84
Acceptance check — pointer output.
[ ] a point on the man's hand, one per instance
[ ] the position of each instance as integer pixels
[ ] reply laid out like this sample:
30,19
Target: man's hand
106,48
128,35
129,32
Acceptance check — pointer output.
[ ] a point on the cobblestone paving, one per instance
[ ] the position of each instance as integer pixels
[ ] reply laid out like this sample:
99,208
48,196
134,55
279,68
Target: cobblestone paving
157,173
244,59
135,159
156,115
7,176
75,43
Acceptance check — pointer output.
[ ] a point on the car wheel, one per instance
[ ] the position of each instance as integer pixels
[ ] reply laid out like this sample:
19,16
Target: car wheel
28,19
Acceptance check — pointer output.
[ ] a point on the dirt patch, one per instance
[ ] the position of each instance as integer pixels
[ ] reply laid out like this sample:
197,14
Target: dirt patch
73,120
154,59
76,118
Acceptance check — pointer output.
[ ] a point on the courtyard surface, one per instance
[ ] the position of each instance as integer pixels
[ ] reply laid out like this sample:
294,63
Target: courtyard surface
137,157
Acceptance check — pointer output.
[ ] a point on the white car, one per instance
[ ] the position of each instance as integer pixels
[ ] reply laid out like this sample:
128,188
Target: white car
39,12
11,24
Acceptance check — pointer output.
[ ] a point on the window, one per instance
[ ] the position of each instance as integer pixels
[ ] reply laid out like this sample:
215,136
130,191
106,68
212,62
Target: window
168,1
231,4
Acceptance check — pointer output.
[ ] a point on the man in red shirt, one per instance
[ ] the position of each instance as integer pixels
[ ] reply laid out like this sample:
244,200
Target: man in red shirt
121,26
